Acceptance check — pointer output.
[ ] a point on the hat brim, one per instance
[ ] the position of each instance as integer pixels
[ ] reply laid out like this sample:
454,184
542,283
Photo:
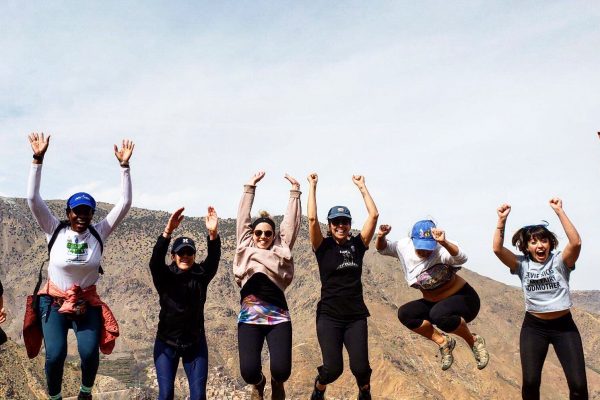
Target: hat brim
424,244
337,215
183,246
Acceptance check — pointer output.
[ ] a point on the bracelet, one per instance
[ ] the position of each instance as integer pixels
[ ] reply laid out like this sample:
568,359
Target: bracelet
167,233
38,157
124,164
500,227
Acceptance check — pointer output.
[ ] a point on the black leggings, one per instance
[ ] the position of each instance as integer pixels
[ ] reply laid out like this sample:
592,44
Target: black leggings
445,314
332,335
250,343
536,336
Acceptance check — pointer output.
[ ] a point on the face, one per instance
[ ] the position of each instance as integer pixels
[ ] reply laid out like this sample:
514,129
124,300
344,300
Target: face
538,248
80,218
340,228
423,253
263,235
184,258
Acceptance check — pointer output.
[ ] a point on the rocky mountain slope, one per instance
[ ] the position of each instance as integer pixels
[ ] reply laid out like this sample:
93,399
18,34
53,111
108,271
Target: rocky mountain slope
405,366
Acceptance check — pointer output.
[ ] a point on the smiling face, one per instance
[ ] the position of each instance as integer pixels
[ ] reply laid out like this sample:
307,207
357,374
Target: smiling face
80,218
539,248
263,235
184,258
339,228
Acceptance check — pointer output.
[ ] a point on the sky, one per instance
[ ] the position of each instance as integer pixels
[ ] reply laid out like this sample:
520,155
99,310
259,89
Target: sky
448,109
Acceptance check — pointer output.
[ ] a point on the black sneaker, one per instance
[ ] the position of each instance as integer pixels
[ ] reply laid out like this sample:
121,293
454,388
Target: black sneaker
317,394
84,396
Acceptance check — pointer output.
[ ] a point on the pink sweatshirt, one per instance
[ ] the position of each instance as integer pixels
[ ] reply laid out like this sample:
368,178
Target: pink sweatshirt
276,262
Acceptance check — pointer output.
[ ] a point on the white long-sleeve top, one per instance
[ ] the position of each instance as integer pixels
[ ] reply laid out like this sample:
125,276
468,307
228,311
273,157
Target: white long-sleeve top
75,257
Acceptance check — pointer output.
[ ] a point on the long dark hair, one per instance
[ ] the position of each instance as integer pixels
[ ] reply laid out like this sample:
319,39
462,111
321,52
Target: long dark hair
524,235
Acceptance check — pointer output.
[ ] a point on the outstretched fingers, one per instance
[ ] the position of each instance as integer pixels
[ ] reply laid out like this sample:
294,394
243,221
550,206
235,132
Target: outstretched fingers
293,181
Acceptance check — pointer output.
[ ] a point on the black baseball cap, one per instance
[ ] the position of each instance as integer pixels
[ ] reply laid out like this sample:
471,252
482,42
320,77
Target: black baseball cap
182,242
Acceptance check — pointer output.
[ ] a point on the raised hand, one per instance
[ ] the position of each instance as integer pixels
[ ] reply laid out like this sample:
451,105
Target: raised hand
174,221
556,204
293,181
358,180
313,178
438,234
384,230
211,220
254,179
503,211
39,143
124,153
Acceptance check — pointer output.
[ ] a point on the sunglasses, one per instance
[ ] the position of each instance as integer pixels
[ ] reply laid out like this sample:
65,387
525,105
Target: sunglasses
259,233
340,221
186,252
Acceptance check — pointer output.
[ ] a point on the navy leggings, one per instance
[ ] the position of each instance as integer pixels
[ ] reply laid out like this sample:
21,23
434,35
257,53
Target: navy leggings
55,327
445,314
332,335
536,336
251,338
195,364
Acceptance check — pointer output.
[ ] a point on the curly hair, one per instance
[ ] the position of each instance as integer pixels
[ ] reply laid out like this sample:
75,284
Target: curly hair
526,233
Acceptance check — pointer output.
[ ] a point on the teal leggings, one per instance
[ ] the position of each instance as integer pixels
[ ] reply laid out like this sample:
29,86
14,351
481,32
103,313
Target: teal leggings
55,327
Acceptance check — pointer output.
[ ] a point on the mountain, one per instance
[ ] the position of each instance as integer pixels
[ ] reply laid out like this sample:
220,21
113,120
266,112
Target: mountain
405,366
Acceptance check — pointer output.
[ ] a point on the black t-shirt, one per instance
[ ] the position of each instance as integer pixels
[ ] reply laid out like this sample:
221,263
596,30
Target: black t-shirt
262,287
340,268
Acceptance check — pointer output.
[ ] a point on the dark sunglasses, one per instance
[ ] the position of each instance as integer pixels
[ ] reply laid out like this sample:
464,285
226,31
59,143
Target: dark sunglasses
340,221
186,252
259,233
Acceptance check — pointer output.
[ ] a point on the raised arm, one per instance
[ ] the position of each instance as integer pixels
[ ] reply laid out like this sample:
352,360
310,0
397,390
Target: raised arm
381,241
159,252
39,209
454,256
507,257
243,221
118,212
314,230
573,248
290,226
211,263
370,224
2,312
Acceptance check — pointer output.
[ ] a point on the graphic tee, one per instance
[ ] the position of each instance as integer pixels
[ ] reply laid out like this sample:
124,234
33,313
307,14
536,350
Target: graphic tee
545,286
340,270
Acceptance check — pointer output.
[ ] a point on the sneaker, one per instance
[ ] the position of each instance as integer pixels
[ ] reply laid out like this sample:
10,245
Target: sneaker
84,396
364,394
480,352
277,390
317,394
258,390
446,352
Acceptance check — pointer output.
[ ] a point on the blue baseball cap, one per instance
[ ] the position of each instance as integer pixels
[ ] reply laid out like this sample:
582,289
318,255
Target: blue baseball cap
338,211
81,199
421,235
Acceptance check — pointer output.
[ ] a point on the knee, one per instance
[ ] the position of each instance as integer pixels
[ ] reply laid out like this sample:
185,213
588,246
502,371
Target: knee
446,322
281,373
56,356
408,320
89,354
362,373
330,373
251,375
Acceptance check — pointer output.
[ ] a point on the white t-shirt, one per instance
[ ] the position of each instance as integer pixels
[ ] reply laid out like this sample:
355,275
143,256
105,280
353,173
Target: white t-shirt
75,257
413,265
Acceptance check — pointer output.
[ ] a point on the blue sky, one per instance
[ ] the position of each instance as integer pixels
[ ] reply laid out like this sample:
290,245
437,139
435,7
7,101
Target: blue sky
448,109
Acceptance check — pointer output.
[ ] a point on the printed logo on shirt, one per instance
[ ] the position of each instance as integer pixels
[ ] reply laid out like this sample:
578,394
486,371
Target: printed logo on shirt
348,259
545,280
77,251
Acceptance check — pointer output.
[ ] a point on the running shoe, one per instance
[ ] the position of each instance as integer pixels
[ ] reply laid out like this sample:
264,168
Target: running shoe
84,396
480,352
446,352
